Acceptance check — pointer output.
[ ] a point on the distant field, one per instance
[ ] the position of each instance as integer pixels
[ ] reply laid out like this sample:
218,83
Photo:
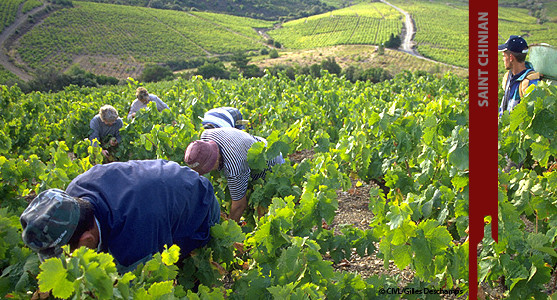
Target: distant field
517,21
364,23
133,34
30,4
118,40
364,56
8,12
6,76
551,11
242,25
441,29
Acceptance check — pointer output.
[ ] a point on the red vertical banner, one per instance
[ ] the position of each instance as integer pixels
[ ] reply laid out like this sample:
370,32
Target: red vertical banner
483,106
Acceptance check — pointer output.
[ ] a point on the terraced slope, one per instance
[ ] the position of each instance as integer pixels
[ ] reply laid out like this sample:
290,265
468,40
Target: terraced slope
518,21
364,23
441,29
125,37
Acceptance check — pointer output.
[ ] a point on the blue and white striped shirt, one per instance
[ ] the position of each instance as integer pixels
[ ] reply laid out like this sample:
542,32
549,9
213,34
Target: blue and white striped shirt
223,117
234,145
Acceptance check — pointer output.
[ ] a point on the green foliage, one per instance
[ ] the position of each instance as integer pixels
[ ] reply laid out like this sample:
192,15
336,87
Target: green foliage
331,66
435,37
283,9
154,72
364,23
210,70
30,4
8,12
393,42
381,49
404,132
511,18
52,80
7,77
525,253
273,53
19,265
355,73
86,273
139,34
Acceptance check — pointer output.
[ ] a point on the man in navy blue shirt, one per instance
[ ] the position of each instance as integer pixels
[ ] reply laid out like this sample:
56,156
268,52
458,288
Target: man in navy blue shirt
128,209
520,73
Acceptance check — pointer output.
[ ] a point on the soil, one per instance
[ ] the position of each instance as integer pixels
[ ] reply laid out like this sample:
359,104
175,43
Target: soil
353,209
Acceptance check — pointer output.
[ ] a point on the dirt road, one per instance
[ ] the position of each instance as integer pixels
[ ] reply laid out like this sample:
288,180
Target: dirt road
407,42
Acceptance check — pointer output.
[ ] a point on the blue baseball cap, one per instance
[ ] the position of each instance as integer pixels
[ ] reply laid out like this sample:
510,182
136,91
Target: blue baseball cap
516,44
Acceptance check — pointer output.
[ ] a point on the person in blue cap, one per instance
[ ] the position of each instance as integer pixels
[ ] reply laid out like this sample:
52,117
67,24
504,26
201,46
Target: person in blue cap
520,73
223,117
128,209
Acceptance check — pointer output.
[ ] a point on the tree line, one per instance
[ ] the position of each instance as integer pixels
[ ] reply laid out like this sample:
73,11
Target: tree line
53,80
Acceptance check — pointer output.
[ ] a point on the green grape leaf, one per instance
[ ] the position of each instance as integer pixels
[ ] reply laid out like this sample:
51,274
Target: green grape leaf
159,289
256,157
282,292
100,281
53,277
544,123
170,256
541,151
276,149
402,255
459,157
518,116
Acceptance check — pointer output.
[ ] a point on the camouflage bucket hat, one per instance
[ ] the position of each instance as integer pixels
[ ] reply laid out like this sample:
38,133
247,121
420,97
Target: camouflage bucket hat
49,222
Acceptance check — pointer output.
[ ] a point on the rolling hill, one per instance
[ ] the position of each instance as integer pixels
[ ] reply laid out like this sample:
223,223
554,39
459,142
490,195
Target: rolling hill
118,40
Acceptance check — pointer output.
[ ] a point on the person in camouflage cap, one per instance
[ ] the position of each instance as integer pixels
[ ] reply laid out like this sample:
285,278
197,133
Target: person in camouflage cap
49,221
128,209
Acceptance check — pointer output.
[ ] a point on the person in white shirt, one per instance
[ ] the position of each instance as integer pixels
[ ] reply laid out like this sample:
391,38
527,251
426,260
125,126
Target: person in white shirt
143,98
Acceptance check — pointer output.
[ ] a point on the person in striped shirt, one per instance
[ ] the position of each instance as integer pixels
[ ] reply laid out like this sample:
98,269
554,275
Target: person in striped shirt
226,150
223,117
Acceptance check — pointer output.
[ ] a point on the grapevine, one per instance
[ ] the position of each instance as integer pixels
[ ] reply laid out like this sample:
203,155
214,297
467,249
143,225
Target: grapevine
409,133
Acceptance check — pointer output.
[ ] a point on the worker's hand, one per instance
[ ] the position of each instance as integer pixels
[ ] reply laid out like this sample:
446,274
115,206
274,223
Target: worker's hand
133,115
38,295
105,153
113,142
237,208
261,211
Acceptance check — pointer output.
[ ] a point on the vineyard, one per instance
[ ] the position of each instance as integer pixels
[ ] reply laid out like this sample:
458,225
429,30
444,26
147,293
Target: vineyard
6,76
522,264
551,11
409,135
30,4
132,34
364,23
8,12
513,21
444,38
